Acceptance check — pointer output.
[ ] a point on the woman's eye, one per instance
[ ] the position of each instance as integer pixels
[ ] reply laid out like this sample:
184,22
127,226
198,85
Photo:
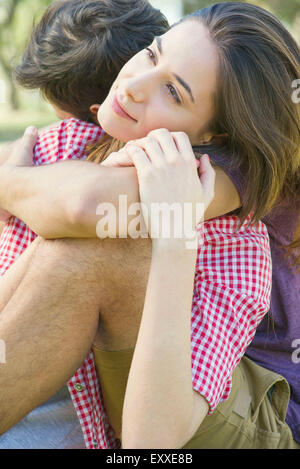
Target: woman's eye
150,54
173,93
171,90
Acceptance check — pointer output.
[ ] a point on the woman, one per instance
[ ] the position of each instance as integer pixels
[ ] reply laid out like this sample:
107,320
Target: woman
275,344
195,92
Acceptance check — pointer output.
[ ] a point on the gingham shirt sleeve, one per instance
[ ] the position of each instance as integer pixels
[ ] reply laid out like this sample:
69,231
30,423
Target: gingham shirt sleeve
232,291
231,295
67,140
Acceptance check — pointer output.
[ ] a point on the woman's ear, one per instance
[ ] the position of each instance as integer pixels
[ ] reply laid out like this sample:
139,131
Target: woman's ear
208,138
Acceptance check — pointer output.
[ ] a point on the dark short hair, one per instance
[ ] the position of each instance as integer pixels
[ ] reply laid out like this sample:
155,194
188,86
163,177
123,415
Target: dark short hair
78,48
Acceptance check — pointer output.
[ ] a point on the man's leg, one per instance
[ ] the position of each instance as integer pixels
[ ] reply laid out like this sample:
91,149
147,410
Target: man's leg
52,296
47,328
122,275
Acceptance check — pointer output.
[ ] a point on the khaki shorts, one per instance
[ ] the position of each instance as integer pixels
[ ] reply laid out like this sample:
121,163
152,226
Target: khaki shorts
252,417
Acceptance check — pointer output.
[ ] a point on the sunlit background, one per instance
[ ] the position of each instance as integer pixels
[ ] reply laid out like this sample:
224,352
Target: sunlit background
19,108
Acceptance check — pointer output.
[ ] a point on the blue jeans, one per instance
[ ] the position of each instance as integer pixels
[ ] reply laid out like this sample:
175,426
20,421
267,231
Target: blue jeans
53,425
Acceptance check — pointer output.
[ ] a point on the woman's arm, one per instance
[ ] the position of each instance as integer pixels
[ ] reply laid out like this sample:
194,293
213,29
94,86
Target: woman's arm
161,409
61,200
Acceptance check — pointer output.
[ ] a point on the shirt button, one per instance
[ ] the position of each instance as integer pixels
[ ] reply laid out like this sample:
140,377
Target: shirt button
79,387
95,443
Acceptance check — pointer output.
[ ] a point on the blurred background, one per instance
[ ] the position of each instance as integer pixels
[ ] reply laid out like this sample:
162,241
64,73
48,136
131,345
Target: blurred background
19,108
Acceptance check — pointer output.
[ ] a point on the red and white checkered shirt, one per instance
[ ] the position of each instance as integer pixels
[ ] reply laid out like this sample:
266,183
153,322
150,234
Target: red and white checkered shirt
232,292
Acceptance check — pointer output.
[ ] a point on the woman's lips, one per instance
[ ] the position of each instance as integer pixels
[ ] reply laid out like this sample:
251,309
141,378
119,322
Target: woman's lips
119,110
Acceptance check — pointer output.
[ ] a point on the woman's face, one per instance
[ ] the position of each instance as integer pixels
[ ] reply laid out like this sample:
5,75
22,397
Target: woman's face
169,85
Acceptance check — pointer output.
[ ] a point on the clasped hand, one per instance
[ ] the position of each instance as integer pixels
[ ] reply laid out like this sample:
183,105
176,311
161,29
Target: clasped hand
167,174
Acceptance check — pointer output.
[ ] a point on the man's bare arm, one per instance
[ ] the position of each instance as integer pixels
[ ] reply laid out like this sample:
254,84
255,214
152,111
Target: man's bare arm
6,151
61,200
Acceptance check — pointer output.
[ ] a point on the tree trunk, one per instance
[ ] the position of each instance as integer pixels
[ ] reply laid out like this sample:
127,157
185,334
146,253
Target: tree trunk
11,94
13,97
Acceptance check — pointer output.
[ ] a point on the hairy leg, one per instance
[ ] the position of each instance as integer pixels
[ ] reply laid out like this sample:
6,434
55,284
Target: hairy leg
50,302
47,327
122,274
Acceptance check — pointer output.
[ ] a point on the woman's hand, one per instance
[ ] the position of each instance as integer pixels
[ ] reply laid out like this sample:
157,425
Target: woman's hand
167,174
164,137
118,159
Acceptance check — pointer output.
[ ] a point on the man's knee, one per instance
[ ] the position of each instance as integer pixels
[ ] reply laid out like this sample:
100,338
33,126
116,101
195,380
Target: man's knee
93,257
72,253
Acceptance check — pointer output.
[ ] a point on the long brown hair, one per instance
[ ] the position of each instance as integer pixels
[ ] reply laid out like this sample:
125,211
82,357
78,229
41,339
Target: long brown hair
259,61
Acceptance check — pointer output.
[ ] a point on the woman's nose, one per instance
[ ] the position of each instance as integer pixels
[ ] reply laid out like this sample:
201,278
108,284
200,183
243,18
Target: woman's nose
138,88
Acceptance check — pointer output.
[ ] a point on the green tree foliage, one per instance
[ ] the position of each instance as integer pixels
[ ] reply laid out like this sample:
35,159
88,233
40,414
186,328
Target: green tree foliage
16,21
287,10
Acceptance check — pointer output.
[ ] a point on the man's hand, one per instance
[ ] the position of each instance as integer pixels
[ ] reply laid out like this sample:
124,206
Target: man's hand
4,216
22,155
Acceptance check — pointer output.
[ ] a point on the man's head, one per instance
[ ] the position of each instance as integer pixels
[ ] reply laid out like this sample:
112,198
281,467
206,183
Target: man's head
78,48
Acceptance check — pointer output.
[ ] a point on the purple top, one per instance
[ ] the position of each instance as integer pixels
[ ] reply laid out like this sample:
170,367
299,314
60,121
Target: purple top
276,345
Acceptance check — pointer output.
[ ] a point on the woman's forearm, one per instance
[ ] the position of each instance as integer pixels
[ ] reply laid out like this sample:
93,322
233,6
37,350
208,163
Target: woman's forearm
159,401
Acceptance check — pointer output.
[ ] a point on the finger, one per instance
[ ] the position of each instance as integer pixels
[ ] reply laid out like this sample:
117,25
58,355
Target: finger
152,148
139,158
207,177
183,145
120,158
166,142
23,153
29,138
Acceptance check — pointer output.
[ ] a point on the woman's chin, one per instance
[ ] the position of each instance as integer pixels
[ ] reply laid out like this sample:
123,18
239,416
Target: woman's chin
114,131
